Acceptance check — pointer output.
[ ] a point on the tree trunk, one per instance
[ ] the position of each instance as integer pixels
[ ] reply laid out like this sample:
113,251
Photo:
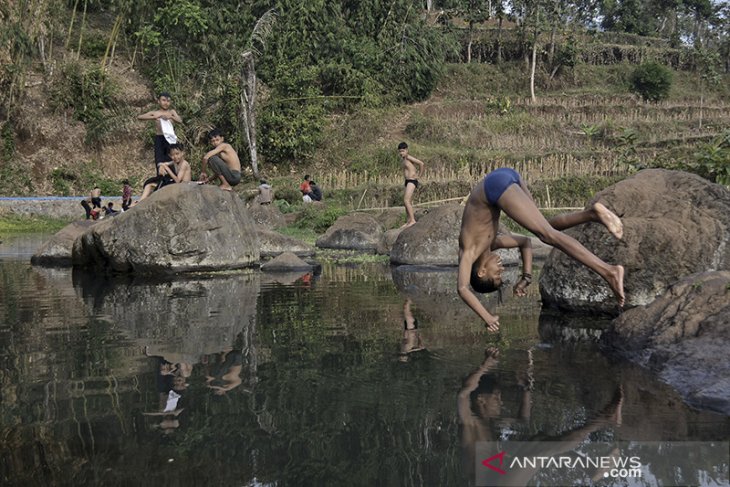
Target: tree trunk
248,108
468,46
532,71
499,41
429,5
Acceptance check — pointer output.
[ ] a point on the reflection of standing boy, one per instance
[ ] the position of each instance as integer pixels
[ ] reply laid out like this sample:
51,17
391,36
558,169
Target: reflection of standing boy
164,130
411,174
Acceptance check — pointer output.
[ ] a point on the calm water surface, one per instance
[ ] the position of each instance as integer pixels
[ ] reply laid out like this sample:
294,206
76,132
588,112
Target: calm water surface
361,375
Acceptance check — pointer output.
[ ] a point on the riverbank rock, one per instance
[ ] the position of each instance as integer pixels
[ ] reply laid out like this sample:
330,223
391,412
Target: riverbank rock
267,215
434,240
58,250
684,335
286,262
356,231
180,228
273,243
675,224
385,245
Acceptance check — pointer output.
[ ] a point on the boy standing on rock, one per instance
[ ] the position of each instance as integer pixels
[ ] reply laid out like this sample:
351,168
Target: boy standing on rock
164,130
411,174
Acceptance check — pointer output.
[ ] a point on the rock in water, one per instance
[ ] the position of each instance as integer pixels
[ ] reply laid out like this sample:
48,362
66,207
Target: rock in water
180,228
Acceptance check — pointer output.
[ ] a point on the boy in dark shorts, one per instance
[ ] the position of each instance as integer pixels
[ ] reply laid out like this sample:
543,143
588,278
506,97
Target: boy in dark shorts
504,190
223,161
164,130
411,175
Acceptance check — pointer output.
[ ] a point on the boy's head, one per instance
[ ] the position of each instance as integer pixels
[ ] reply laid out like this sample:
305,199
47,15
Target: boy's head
403,149
164,99
215,137
110,205
306,177
125,182
177,153
312,183
486,273
262,181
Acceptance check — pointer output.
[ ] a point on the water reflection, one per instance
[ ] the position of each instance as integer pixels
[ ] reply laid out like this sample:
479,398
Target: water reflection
297,381
411,341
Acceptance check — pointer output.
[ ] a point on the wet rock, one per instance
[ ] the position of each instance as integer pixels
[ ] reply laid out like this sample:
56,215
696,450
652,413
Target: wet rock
684,336
385,245
675,224
286,262
274,243
180,228
356,231
59,249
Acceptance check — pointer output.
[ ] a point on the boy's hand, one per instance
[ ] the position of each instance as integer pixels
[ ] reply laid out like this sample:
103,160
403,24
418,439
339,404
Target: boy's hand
203,177
520,288
492,323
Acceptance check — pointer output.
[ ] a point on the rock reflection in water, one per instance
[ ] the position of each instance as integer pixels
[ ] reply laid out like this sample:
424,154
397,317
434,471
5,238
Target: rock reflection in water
179,320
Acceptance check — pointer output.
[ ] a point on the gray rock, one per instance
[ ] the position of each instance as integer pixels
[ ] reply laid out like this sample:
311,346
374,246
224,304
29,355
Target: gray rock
434,240
267,215
273,243
58,250
180,228
356,231
387,240
286,262
684,336
675,224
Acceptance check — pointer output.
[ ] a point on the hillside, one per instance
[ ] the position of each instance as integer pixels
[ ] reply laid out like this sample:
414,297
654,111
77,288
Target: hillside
585,130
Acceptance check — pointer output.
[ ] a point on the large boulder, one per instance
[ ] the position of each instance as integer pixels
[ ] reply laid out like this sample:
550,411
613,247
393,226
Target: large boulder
684,335
58,250
675,224
434,240
356,231
273,243
180,228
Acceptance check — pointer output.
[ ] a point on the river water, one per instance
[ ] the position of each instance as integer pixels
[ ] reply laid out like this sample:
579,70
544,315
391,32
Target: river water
358,375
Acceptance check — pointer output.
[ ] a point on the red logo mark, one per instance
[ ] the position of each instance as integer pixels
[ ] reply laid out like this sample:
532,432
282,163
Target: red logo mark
500,456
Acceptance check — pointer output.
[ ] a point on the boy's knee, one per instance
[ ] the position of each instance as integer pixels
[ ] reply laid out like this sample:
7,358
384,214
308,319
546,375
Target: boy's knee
548,235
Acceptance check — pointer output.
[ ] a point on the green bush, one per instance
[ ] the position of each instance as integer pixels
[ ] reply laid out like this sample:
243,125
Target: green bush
317,217
652,81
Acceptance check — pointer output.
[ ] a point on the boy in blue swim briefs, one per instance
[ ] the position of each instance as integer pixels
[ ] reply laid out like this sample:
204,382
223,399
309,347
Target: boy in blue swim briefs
504,190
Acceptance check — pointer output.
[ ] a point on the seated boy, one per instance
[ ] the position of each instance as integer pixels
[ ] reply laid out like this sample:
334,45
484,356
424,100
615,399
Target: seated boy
223,161
177,171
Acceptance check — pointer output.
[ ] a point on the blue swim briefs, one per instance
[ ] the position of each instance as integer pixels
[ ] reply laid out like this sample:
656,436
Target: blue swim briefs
497,183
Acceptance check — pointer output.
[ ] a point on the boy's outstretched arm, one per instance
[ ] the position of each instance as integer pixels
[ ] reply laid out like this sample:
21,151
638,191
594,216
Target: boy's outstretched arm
466,260
153,115
510,241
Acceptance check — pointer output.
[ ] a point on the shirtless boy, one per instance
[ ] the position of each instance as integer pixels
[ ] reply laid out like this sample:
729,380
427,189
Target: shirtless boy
176,171
223,161
164,130
504,190
411,174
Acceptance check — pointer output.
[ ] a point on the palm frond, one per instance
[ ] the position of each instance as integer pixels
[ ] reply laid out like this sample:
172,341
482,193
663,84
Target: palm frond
262,30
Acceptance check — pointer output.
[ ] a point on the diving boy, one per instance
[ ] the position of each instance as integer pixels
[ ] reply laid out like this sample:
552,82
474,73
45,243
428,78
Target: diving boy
504,190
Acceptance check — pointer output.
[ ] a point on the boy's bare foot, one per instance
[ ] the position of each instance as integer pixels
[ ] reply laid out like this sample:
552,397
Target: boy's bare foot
408,224
226,188
616,281
609,220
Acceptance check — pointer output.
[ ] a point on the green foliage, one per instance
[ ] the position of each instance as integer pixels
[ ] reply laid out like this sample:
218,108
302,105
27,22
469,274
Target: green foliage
8,142
652,81
93,46
712,160
30,224
317,217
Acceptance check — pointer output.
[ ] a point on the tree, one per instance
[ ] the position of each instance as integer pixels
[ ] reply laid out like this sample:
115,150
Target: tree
652,81
248,83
